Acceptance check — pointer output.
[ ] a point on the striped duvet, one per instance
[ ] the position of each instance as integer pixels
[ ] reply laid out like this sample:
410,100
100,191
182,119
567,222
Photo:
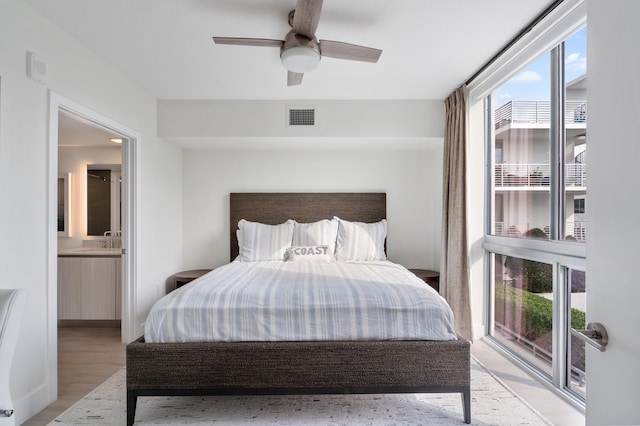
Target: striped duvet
302,301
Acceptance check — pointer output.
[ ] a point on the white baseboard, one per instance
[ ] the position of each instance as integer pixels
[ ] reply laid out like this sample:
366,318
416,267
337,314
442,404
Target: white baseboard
478,331
31,404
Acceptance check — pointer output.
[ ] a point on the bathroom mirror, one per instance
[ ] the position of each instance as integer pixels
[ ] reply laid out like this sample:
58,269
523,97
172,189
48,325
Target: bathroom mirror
64,203
103,198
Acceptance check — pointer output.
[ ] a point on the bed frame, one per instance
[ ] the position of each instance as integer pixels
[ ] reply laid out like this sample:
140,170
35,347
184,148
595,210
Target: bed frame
268,368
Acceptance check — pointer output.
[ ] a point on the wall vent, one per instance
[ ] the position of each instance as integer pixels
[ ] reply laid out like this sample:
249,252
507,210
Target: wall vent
301,116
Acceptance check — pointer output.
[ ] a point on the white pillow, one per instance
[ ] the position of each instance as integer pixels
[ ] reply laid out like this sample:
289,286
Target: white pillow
320,233
239,238
361,241
261,242
309,254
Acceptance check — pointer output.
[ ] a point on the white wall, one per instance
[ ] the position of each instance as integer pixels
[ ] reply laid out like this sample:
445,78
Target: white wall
613,209
76,73
356,146
74,160
396,119
412,180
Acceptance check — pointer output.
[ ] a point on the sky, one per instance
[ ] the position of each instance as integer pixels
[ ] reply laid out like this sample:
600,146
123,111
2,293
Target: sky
532,82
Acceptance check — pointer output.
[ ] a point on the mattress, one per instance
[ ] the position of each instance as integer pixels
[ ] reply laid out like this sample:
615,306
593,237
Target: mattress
301,301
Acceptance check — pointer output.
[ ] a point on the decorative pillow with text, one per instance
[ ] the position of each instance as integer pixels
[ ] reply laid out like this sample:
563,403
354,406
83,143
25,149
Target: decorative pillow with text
309,254
323,232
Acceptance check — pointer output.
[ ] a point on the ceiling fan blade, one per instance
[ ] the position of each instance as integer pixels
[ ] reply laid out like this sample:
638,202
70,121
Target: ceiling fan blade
306,17
294,78
259,42
352,52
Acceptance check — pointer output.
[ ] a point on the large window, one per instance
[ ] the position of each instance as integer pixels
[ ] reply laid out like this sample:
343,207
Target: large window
525,121
521,146
537,210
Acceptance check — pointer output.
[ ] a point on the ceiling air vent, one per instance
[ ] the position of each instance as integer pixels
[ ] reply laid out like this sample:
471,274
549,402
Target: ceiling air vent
301,117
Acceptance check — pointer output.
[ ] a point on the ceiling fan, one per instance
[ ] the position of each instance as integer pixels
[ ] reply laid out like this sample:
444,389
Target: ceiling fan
300,51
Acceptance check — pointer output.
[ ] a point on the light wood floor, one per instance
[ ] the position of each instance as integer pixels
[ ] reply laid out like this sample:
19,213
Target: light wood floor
88,356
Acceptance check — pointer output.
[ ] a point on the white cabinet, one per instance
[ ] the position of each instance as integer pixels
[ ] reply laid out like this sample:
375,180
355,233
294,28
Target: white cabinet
89,288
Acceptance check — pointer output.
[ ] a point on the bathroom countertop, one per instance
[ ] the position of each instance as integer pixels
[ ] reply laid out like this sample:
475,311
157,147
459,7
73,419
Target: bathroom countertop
90,252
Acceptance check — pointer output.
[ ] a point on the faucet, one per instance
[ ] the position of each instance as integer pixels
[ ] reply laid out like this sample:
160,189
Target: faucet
110,235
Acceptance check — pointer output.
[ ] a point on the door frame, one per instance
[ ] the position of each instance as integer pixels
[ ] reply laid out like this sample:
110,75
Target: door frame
130,166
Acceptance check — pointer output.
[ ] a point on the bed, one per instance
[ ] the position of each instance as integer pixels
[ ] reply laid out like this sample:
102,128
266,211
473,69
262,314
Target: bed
290,366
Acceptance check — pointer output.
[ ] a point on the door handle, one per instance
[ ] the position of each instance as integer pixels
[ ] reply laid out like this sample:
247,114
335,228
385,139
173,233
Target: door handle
595,335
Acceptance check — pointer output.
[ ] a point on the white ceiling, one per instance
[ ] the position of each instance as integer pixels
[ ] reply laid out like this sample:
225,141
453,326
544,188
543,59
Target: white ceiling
430,47
74,131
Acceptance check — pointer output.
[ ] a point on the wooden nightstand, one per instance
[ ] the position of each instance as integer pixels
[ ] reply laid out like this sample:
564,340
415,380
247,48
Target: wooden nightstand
181,278
430,277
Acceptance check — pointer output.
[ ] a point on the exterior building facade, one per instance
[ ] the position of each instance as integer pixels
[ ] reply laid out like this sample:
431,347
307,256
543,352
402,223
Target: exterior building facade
522,167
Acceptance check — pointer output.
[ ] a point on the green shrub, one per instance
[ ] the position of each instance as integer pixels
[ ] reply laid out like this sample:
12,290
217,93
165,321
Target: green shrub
537,276
536,312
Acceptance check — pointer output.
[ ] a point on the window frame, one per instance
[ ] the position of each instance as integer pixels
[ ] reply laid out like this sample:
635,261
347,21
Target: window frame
548,35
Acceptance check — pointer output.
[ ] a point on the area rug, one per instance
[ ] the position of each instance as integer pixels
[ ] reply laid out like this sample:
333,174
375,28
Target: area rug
492,403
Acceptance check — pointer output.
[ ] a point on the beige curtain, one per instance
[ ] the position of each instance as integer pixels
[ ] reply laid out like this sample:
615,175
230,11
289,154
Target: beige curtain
454,265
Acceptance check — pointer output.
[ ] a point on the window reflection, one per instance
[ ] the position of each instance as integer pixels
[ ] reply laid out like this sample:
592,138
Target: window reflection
523,308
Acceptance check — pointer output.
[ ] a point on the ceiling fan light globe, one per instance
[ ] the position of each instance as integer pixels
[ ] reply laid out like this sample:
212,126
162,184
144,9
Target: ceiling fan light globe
300,59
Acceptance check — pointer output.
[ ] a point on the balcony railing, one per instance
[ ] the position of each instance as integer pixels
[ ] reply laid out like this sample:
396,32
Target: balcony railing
537,174
538,112
537,351
573,230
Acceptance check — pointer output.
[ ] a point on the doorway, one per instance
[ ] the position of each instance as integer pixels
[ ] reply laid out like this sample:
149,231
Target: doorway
89,213
126,218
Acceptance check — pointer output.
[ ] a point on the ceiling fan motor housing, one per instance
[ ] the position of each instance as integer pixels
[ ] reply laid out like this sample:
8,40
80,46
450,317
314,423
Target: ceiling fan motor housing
300,54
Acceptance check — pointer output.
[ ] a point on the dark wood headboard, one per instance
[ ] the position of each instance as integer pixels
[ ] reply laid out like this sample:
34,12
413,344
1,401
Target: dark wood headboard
276,207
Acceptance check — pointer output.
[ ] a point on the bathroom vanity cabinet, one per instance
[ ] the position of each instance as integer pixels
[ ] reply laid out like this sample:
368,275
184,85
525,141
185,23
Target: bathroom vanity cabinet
89,287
